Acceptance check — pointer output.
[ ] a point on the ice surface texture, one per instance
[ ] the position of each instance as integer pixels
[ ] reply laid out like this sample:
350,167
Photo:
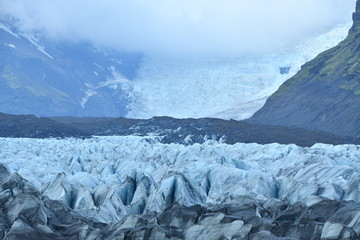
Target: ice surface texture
136,187
108,177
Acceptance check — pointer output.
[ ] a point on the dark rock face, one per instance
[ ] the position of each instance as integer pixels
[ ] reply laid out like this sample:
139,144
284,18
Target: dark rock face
31,126
324,94
27,214
284,70
189,131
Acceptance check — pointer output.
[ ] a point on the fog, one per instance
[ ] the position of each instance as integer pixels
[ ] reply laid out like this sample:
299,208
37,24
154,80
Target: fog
179,27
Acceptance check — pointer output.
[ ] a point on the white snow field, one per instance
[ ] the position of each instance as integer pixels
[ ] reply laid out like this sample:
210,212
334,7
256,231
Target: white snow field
107,177
223,88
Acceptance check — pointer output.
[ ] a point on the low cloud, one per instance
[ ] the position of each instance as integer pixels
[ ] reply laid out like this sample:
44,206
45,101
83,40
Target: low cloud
190,27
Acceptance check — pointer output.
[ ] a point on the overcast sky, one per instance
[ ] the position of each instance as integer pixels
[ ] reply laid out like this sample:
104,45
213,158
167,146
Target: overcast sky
180,26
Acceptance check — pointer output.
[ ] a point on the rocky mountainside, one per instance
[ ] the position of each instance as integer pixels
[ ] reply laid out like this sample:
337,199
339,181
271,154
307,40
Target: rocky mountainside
138,188
169,130
34,127
53,78
324,94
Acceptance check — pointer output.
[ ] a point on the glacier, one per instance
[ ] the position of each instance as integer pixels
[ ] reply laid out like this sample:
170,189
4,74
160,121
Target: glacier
131,186
115,176
145,86
227,88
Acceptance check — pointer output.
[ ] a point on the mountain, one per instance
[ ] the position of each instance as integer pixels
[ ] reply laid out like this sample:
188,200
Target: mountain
52,77
137,188
45,77
34,127
324,94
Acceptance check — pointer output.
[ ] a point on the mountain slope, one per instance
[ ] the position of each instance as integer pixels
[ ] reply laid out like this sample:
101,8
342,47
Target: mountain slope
31,126
53,78
325,94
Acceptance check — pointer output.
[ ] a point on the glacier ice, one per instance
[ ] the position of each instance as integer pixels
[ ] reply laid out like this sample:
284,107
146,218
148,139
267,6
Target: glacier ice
219,87
108,177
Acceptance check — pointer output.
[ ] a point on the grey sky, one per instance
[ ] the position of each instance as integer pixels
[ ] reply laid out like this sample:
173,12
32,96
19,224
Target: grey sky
225,27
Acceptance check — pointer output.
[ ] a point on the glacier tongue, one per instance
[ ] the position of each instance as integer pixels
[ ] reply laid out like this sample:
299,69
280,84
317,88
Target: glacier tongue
108,177
219,87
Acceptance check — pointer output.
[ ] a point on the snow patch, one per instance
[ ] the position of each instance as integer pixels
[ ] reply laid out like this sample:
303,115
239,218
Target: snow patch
114,82
88,94
10,45
98,65
7,29
30,37
36,42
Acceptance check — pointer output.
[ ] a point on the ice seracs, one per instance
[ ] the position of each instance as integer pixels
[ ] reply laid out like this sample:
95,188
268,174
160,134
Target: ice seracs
108,177
112,187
